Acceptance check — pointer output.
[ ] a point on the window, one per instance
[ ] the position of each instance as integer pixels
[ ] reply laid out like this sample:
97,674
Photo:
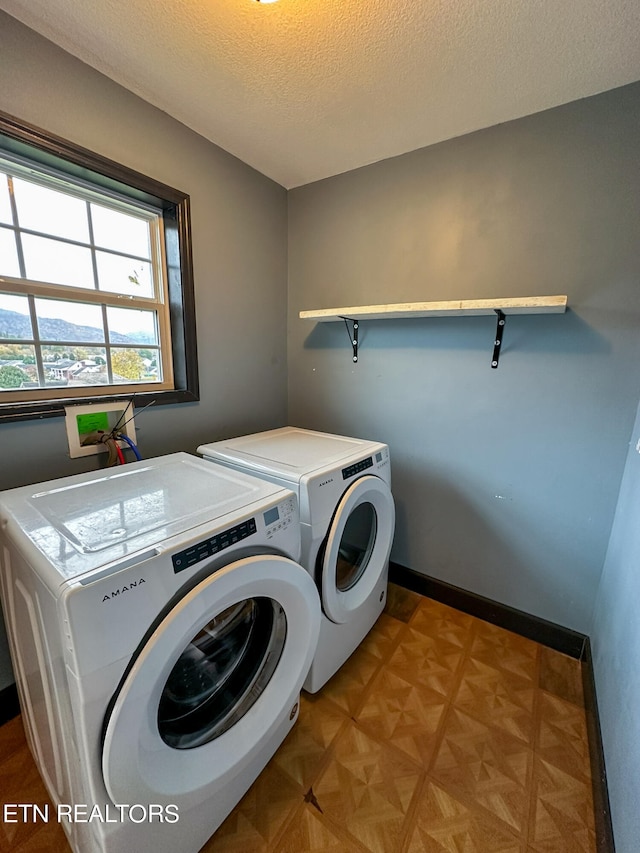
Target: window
96,293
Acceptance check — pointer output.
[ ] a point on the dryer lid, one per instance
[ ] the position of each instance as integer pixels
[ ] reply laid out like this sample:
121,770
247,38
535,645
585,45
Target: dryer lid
86,521
289,452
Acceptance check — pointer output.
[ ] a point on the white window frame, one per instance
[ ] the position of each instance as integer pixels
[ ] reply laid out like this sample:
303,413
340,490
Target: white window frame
62,165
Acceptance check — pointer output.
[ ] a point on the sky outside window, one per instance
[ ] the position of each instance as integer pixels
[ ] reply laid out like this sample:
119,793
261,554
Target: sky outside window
51,212
8,253
69,321
118,274
140,324
113,229
57,262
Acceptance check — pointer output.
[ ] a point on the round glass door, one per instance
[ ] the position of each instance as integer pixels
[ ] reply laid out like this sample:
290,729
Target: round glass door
356,545
356,554
221,673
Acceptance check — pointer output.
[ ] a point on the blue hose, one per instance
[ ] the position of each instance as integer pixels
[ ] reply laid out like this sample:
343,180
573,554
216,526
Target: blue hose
126,438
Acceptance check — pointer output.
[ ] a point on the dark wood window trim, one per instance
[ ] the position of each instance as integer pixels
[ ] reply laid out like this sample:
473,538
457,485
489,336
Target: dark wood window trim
46,149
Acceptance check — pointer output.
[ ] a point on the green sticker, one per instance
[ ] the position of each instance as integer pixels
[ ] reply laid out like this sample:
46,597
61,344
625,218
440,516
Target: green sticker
92,422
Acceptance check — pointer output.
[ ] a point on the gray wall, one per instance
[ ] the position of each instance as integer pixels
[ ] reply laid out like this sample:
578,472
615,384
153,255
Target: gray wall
505,480
615,641
239,253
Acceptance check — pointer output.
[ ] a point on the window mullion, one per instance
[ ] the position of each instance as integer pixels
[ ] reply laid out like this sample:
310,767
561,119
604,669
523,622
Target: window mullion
37,348
92,247
107,347
76,294
83,244
107,350
16,226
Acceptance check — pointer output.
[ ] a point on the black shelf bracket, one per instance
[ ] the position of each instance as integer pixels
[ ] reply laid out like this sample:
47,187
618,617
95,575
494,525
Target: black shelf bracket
495,358
352,332
353,335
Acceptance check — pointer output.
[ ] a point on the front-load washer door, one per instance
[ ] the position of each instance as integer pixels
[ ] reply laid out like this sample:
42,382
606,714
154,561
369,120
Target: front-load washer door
212,683
357,547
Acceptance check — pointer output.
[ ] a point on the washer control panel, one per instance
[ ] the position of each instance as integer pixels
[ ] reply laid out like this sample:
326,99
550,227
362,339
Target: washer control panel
358,468
279,517
275,519
208,547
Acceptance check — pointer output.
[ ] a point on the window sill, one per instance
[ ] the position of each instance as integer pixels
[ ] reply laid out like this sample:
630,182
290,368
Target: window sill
39,409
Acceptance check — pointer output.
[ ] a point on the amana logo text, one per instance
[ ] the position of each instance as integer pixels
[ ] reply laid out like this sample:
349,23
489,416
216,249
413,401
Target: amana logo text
325,482
127,588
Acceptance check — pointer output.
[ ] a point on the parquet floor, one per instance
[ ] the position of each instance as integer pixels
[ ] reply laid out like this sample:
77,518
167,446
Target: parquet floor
442,733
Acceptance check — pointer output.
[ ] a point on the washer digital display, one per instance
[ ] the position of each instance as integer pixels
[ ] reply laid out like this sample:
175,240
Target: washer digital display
271,515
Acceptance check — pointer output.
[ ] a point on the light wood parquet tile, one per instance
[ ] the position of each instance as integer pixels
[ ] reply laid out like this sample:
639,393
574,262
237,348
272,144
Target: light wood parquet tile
441,733
425,660
505,651
310,833
563,812
562,737
488,767
445,825
367,789
497,698
442,623
403,714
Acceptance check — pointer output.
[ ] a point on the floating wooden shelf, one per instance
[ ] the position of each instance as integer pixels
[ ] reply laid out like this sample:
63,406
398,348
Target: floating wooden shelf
451,308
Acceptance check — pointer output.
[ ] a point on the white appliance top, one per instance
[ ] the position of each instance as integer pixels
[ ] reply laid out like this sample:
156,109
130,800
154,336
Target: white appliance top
85,521
290,452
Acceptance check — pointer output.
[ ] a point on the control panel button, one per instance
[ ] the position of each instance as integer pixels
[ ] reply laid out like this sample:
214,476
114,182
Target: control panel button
357,468
208,547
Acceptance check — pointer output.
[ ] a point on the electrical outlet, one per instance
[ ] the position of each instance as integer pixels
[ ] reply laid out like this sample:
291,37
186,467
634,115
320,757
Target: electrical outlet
81,421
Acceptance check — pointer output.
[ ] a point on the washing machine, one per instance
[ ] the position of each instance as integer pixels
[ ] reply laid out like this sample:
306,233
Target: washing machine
347,519
160,628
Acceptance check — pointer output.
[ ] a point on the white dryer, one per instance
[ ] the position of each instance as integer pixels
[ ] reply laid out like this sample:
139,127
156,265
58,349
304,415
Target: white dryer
347,517
160,632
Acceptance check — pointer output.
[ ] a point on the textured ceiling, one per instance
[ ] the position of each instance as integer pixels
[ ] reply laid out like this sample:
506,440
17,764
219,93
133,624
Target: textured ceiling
304,89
